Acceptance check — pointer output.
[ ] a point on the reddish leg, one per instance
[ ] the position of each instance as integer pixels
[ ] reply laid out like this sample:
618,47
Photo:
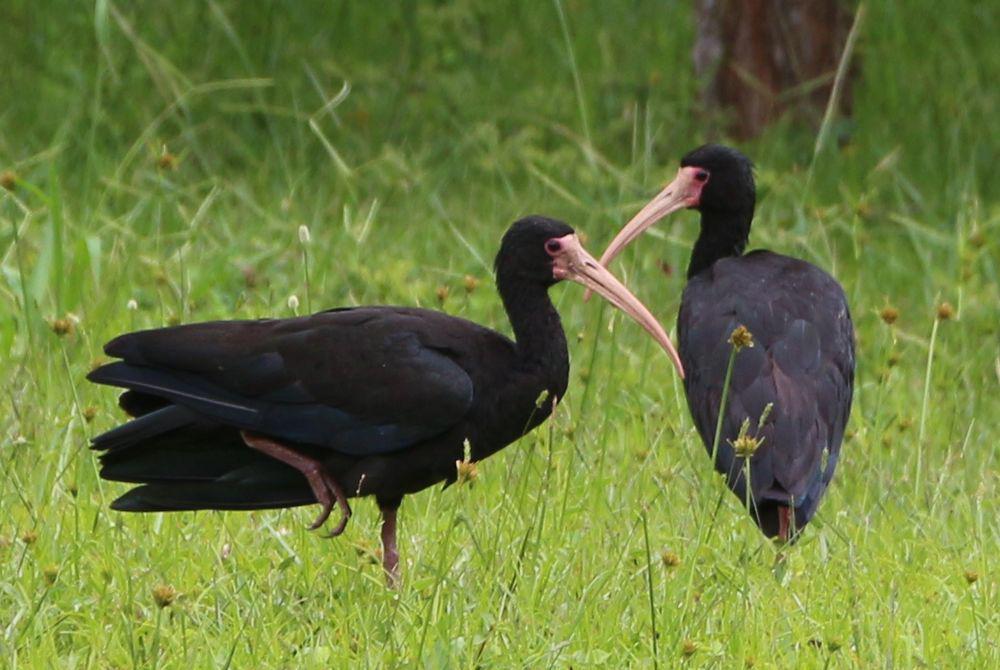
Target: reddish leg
784,522
390,554
324,486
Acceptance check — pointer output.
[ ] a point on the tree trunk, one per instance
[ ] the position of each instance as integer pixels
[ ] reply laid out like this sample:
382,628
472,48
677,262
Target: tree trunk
760,59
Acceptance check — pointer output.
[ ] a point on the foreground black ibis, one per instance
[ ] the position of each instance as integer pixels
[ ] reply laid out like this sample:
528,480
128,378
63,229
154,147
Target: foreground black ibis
380,401
797,376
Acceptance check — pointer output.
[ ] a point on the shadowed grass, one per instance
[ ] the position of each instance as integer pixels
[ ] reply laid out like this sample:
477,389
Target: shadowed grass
171,159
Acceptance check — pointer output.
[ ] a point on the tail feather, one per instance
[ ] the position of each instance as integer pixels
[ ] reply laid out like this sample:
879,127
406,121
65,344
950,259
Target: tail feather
187,462
146,427
252,487
136,403
186,455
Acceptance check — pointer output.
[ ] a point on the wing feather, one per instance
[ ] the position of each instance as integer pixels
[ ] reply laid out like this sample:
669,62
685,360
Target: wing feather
802,363
361,381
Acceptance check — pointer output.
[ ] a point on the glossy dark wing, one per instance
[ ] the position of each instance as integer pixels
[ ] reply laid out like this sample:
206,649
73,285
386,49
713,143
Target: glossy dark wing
802,361
360,381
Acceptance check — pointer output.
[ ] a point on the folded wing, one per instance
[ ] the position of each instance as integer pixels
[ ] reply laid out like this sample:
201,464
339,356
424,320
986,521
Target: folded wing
359,381
802,364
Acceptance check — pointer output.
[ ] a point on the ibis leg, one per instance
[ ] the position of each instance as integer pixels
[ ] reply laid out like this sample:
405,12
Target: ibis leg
784,514
326,489
390,553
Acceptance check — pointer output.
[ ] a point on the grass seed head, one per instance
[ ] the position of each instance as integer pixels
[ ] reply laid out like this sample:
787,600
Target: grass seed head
470,283
745,445
542,398
971,576
670,558
304,236
977,240
89,413
689,647
764,415
741,338
29,537
442,293
62,327
466,469
8,180
164,595
51,573
889,314
167,160
293,302
945,311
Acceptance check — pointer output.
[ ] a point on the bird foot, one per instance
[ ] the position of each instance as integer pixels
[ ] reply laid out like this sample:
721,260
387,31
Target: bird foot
326,489
328,493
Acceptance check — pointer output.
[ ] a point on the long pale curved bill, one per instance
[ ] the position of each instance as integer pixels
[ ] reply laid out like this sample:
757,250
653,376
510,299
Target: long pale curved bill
576,264
674,196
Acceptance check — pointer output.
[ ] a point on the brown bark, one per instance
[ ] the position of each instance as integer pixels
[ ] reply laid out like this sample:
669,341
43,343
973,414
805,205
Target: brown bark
759,59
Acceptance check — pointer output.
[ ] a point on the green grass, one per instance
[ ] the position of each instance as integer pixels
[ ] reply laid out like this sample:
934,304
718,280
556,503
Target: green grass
407,136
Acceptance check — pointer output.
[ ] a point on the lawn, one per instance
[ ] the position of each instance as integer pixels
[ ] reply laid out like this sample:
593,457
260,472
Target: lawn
161,163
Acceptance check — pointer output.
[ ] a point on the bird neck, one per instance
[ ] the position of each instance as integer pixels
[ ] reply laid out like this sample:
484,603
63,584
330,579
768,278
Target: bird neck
538,331
723,234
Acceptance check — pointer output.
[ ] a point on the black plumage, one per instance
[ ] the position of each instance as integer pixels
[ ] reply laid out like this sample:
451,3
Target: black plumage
799,373
345,403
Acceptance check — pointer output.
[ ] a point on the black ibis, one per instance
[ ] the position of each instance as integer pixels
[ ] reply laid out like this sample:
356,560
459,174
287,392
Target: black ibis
789,395
365,401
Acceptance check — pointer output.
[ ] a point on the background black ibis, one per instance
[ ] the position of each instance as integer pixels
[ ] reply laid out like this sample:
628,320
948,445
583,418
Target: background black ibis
350,402
801,364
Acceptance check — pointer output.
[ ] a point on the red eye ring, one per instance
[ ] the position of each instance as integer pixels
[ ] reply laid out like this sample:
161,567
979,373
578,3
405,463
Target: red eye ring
701,175
553,246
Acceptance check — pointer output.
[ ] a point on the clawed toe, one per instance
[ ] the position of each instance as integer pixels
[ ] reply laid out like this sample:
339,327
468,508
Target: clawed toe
324,514
344,518
328,495
326,489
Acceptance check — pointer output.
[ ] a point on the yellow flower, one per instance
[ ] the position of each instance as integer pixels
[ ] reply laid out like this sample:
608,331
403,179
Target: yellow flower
889,314
164,595
741,338
466,469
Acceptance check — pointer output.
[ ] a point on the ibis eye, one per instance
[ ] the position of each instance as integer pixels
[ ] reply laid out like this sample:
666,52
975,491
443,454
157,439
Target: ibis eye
553,246
701,175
